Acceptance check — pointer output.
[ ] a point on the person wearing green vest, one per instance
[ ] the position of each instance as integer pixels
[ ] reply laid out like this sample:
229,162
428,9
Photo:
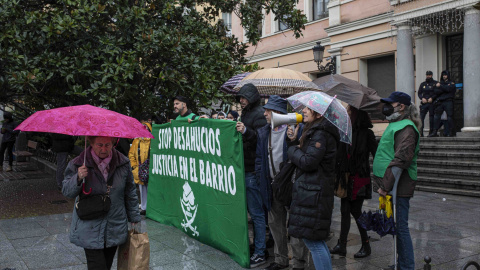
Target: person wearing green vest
399,148
180,106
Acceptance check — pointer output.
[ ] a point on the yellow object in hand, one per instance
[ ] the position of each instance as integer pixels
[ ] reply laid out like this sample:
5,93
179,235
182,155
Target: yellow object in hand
386,204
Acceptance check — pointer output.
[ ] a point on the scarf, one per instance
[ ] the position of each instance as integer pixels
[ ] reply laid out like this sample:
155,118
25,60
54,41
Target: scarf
102,164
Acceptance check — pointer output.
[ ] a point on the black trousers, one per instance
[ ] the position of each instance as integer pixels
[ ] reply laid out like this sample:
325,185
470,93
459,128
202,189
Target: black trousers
354,208
424,109
9,147
100,259
447,107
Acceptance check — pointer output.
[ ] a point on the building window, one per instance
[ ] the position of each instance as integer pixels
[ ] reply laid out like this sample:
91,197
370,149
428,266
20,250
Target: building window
227,20
282,25
319,9
381,74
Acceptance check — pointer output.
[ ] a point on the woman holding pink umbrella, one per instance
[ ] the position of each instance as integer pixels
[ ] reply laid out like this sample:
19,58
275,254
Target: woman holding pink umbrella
100,178
106,171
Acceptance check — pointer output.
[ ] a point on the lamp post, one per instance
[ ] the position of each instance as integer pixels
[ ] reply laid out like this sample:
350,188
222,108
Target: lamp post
318,51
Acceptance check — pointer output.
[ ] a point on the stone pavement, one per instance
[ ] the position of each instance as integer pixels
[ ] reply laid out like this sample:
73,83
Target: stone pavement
34,232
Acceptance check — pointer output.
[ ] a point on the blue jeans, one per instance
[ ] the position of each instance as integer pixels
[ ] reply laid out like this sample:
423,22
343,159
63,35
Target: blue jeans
320,254
406,259
255,209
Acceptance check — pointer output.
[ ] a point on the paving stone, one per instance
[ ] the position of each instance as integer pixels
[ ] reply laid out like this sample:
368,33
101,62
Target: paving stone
18,265
168,256
47,257
192,264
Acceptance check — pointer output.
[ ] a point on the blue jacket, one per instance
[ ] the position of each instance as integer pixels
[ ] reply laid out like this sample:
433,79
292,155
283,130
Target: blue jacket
262,162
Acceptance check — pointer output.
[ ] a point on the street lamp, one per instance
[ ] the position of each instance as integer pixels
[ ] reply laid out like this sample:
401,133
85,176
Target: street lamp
318,51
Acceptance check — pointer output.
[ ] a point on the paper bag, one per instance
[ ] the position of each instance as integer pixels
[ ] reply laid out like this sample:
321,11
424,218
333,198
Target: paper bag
135,253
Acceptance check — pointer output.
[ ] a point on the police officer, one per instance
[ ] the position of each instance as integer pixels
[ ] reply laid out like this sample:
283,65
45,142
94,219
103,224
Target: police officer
427,98
445,92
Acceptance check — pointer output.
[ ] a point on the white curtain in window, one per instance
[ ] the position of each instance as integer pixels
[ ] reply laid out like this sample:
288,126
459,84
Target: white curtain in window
320,9
227,19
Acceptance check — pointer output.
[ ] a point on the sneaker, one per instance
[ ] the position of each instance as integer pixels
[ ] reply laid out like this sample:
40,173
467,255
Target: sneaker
9,168
257,260
143,212
276,266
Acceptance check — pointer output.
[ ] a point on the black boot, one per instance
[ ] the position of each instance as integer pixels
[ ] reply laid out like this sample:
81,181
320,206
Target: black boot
433,134
365,251
340,249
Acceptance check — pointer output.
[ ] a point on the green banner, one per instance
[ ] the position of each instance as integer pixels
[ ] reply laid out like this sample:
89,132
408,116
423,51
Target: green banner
197,184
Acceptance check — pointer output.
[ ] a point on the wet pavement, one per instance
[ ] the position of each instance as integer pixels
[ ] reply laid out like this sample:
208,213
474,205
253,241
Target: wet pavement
35,221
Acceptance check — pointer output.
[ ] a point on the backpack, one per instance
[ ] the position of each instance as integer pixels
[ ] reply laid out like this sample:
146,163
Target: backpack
143,168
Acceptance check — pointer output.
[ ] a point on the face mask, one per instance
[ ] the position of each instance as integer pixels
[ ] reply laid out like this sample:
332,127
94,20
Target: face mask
429,79
388,109
393,116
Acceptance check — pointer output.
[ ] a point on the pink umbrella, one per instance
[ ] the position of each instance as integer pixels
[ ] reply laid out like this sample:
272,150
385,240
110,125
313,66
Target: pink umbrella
85,120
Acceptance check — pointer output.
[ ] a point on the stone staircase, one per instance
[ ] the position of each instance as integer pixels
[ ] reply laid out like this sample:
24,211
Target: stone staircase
449,165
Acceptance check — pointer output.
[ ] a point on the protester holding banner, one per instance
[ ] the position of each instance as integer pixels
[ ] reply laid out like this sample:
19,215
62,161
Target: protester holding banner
232,115
271,152
180,106
138,154
101,236
221,115
312,195
252,120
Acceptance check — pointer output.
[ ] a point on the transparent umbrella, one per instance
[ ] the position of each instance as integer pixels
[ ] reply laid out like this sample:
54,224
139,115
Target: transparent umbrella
329,107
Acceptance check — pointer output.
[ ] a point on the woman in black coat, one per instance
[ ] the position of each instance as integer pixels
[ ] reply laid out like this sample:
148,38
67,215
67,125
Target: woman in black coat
312,196
353,164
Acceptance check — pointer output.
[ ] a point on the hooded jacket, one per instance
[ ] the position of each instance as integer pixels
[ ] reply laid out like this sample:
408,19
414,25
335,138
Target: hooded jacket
447,88
112,229
312,194
135,158
253,119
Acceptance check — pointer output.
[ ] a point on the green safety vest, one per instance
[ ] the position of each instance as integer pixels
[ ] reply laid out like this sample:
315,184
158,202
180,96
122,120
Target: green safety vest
386,149
184,118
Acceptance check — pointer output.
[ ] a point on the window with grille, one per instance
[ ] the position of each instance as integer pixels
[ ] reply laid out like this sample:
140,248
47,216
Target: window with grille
319,9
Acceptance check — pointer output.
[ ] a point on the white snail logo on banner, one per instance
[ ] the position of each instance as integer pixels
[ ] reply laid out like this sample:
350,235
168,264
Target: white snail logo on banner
189,209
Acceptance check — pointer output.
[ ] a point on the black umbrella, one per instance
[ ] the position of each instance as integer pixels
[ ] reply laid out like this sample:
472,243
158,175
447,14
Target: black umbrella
378,222
352,93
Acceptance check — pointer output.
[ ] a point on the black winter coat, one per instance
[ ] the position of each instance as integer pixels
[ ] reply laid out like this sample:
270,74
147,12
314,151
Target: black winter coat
447,88
312,195
10,135
253,119
62,143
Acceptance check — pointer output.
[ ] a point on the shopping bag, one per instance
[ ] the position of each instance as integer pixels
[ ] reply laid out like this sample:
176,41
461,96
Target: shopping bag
135,253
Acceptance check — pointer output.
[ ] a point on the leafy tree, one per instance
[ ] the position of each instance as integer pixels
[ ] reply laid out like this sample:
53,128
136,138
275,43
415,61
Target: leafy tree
129,56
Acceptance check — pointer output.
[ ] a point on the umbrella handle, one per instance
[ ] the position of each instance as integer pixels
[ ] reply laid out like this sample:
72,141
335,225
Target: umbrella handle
83,188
